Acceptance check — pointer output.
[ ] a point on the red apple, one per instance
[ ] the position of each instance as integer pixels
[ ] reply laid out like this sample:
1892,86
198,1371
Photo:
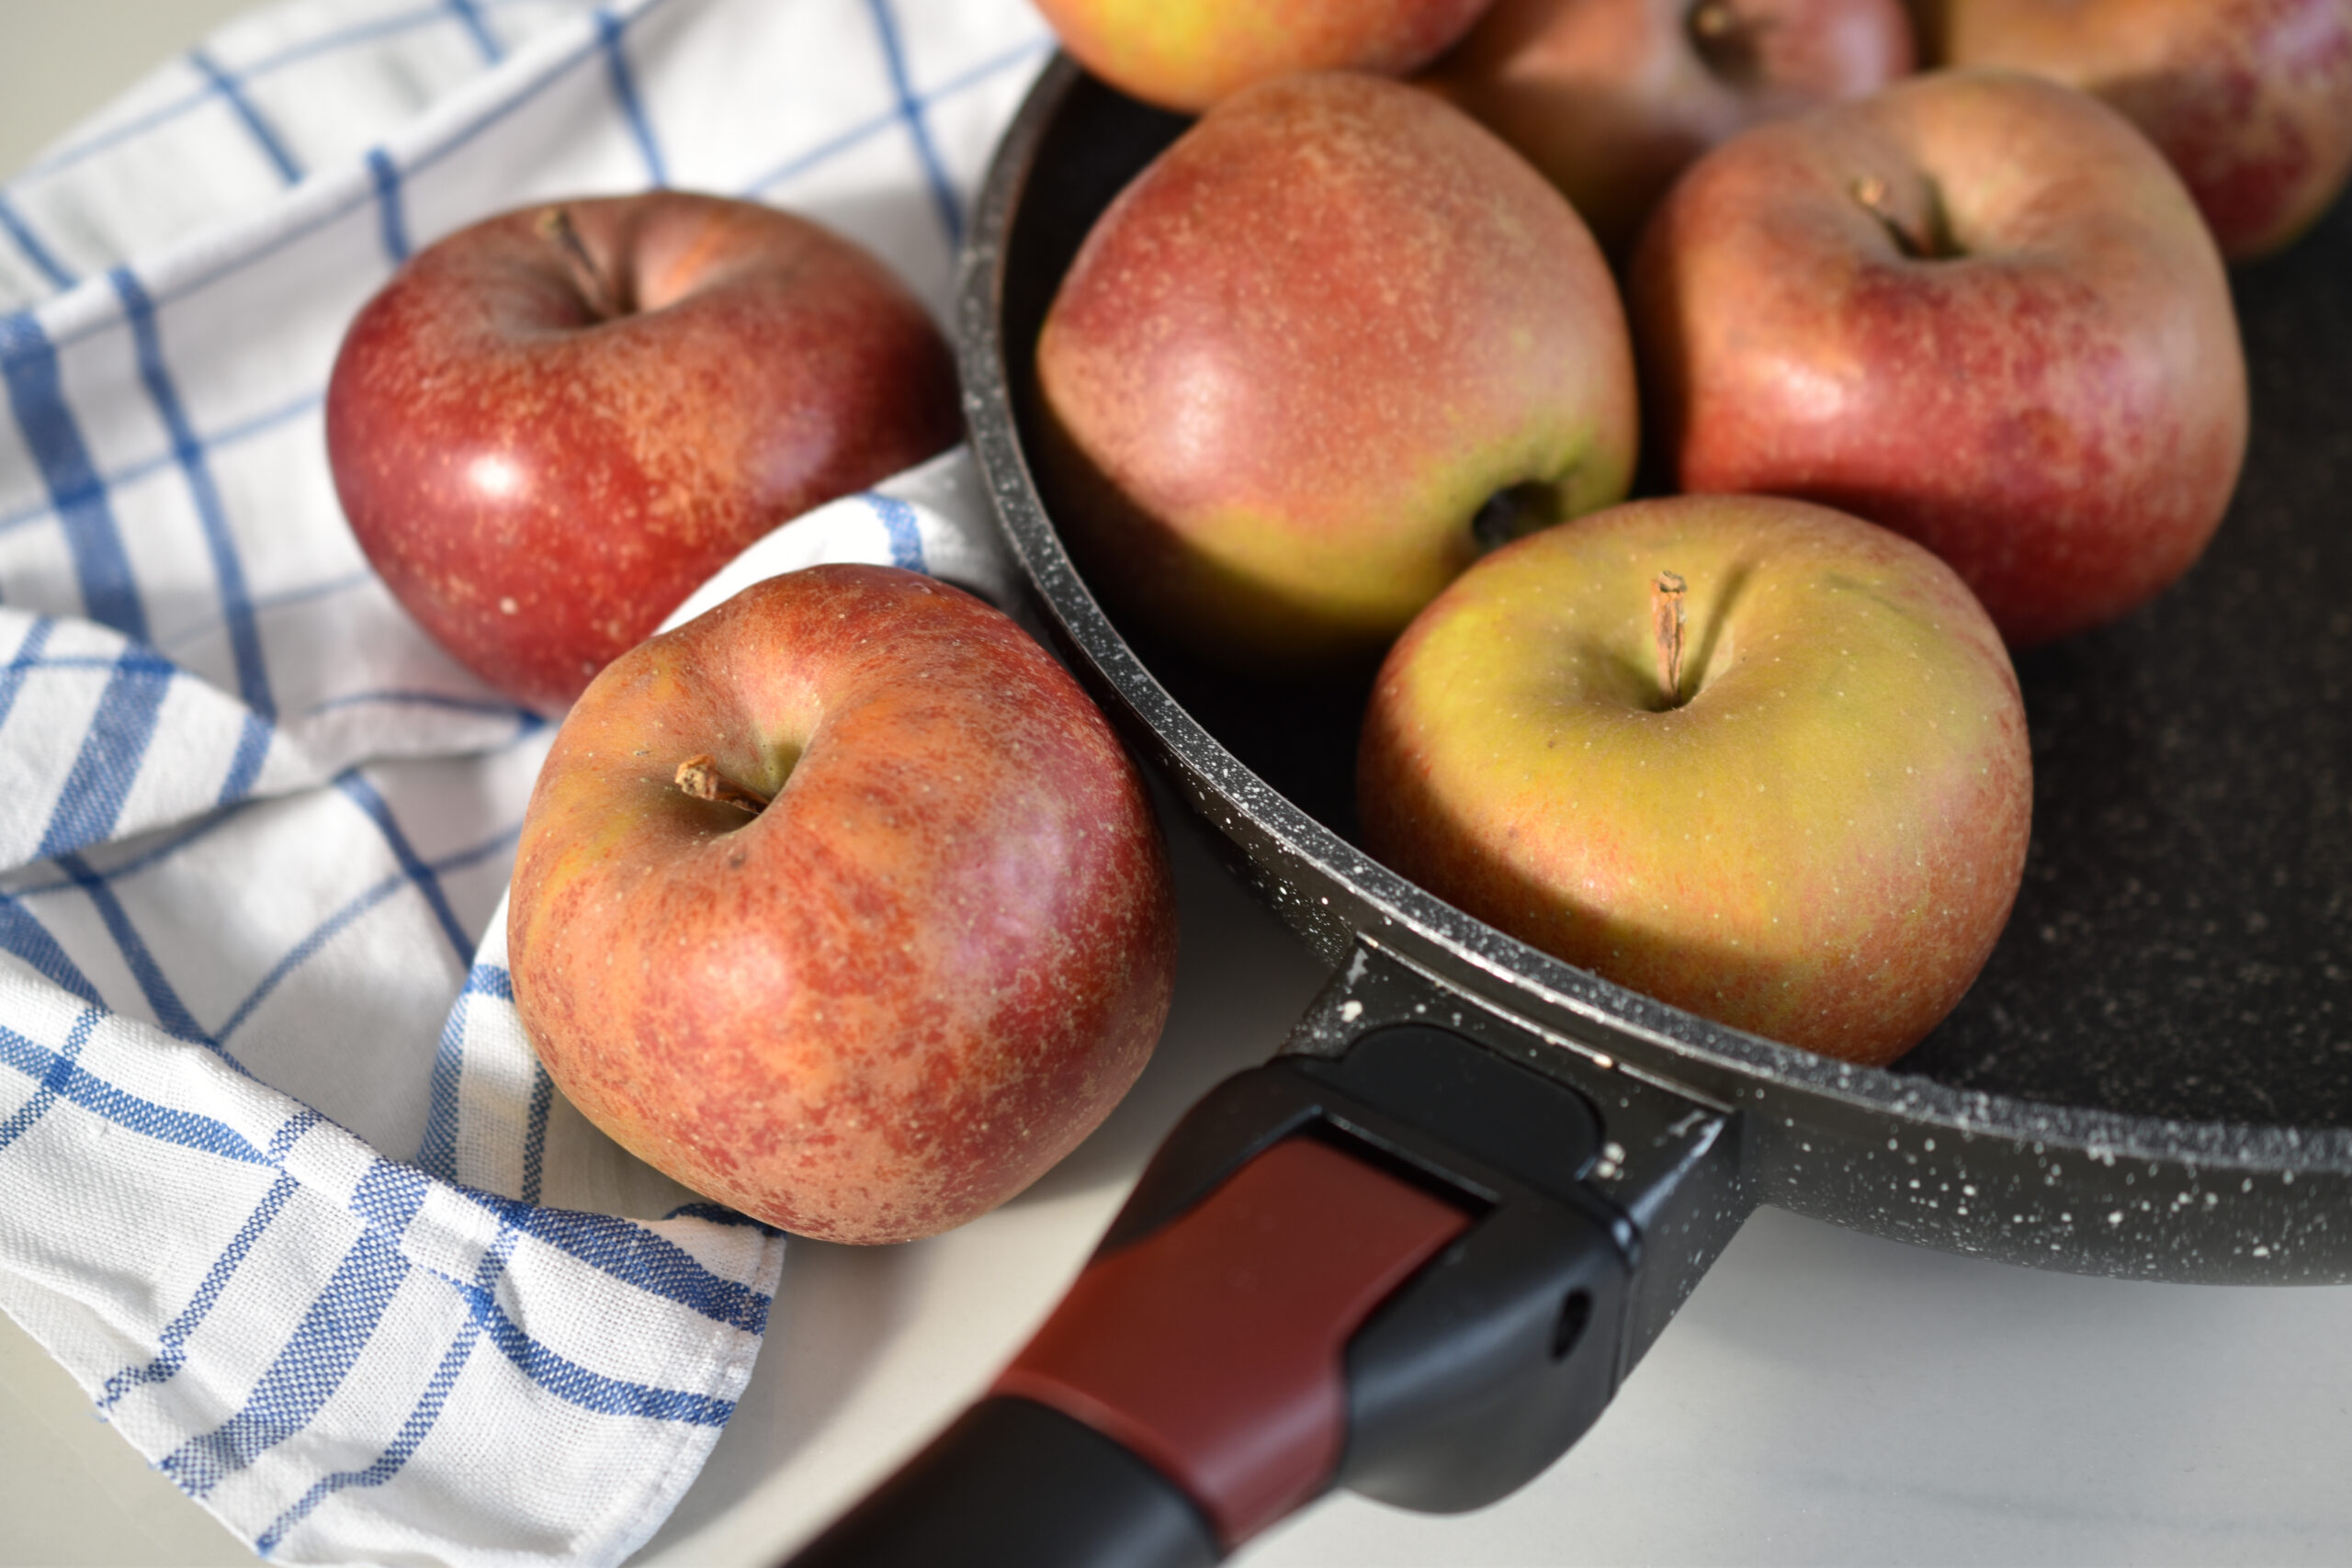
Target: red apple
1302,351
548,428
2250,99
1612,98
909,936
1186,55
1978,309
1816,837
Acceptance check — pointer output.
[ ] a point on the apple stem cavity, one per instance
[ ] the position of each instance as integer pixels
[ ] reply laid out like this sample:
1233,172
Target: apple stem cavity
1929,242
1665,626
1511,511
603,302
1725,40
699,777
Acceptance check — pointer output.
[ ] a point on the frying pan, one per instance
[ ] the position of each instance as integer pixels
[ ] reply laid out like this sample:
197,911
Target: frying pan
2151,1078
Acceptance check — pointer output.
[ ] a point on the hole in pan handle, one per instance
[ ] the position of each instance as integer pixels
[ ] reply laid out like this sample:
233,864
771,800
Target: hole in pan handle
1402,1260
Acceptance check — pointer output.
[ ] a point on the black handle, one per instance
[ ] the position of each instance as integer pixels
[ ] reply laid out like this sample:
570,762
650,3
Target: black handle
1402,1260
1015,1482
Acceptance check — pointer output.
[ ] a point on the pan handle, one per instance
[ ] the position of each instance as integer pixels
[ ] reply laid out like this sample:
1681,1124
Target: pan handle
1396,1266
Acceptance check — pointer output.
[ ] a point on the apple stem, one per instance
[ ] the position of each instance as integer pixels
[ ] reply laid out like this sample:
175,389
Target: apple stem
556,225
1724,39
1666,626
1872,193
699,776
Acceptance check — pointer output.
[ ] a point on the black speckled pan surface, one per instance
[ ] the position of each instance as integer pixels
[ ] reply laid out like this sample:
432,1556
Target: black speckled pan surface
2154,1076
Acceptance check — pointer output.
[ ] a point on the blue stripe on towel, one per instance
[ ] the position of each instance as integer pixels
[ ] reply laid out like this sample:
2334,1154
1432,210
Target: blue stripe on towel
13,224
304,950
153,984
576,1384
51,1084
171,1349
391,218
294,54
833,146
411,865
110,753
636,1256
260,424
25,936
96,1095
899,521
477,27
26,659
265,137
438,1151
324,1347
28,365
534,1132
610,28
942,189
212,517
420,1419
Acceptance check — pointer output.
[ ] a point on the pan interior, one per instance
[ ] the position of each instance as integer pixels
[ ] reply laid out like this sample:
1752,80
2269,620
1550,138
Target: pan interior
2182,945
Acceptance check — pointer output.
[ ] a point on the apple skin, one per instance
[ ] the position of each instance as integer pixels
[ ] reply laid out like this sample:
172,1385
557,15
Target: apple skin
540,484
2251,100
1820,844
892,998
1187,54
1612,98
1302,350
2058,407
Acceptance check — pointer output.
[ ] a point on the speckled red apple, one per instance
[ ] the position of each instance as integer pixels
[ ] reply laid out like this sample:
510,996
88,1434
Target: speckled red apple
2250,99
1302,349
1816,838
1979,309
1612,98
548,428
888,998
1187,54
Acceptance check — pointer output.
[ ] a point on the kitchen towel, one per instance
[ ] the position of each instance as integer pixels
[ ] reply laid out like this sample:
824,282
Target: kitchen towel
280,1183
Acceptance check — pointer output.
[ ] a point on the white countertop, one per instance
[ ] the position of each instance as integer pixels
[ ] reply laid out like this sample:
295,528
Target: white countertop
1824,1397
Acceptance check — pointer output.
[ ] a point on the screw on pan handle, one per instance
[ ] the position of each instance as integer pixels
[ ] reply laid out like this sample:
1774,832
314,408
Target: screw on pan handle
1381,1270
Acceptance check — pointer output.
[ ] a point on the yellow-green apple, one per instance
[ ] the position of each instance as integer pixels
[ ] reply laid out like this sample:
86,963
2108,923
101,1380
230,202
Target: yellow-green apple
1977,308
1186,55
2250,99
1812,830
548,428
1612,98
1302,352
841,904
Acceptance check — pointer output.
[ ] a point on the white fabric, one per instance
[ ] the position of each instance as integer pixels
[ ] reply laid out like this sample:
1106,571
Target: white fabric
279,1180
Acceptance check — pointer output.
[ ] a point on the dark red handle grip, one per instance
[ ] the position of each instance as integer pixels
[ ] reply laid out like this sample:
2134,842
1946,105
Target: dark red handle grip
1213,1349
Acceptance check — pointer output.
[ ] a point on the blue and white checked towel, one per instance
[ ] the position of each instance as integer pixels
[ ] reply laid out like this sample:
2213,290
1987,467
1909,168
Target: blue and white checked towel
279,1181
